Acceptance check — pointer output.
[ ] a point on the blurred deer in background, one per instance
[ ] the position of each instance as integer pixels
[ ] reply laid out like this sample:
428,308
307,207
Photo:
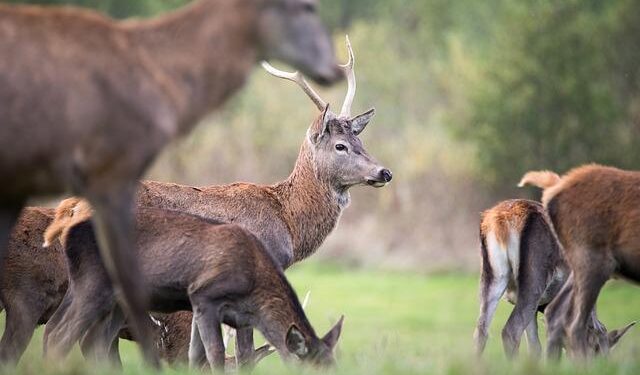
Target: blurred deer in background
595,212
292,217
220,271
88,102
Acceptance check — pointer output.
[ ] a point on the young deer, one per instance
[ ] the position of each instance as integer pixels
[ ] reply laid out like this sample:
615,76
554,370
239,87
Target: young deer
594,211
88,101
521,256
35,281
292,217
220,271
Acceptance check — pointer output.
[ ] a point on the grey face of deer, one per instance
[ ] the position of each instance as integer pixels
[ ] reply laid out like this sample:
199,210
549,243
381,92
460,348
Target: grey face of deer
600,341
291,31
339,154
314,351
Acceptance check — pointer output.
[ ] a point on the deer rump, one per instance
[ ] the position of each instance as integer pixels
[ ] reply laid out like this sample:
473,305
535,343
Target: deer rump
520,256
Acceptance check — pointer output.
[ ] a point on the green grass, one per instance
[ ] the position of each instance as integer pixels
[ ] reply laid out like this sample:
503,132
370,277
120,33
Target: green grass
403,323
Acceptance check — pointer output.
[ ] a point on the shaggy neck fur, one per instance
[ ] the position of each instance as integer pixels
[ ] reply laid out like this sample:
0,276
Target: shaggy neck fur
206,49
311,204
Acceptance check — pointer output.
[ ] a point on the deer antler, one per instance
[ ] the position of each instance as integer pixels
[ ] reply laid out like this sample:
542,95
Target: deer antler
351,82
299,79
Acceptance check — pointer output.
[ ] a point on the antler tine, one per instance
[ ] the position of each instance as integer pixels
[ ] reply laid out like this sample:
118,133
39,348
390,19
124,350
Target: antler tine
299,79
351,82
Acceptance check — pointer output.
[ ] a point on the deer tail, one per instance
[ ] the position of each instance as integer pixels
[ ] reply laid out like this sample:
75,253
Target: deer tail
541,179
68,213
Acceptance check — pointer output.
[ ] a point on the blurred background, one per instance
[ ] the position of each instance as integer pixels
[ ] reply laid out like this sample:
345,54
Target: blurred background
469,96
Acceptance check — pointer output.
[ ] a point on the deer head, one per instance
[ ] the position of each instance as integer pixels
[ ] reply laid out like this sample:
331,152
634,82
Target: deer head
338,155
559,314
291,31
312,350
600,341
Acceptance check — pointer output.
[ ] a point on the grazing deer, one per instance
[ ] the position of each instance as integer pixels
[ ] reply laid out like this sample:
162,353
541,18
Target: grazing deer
557,313
595,214
220,271
35,281
88,102
292,217
521,256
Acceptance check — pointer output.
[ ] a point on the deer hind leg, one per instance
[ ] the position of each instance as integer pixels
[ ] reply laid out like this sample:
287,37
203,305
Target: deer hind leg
590,276
533,340
114,229
538,249
556,315
81,314
245,353
57,317
197,355
21,321
207,321
98,342
493,283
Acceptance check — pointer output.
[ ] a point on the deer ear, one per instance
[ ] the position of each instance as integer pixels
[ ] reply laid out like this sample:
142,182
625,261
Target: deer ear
331,338
359,122
615,335
321,126
295,341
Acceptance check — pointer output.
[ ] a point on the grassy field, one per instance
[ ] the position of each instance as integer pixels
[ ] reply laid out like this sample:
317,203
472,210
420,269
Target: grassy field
399,323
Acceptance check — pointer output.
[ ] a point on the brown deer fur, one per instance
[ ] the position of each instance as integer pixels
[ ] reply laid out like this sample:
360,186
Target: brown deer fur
596,215
36,280
88,102
520,255
293,217
221,271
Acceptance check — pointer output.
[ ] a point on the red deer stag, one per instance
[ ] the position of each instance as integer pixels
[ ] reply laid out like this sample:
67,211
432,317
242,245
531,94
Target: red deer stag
595,214
293,217
88,102
220,271
521,255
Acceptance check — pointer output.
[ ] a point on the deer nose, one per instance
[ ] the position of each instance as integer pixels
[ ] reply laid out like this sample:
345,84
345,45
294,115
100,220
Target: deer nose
386,175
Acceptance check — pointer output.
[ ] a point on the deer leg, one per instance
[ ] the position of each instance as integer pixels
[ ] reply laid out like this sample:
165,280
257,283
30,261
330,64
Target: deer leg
114,353
590,276
521,316
98,342
245,353
21,322
114,229
197,355
208,322
556,315
493,283
533,340
79,317
56,318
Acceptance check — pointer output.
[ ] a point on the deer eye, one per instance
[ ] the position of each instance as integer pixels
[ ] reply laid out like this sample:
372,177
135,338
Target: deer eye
341,147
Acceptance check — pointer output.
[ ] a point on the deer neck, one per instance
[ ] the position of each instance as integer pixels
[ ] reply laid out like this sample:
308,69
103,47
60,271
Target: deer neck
278,314
203,52
311,203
